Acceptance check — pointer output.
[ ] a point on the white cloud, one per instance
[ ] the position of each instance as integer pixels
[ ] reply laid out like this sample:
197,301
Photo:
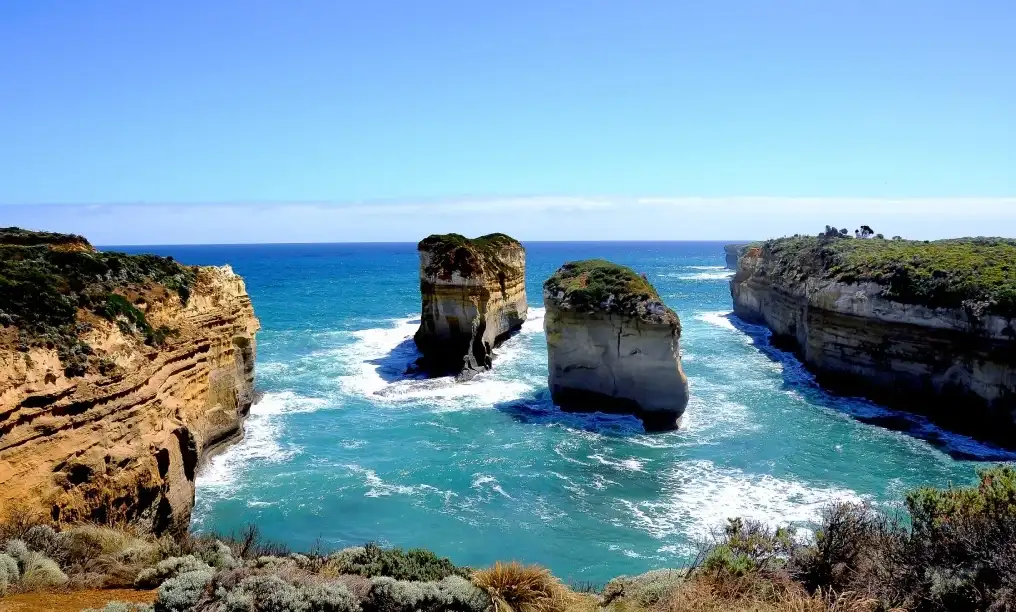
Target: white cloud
529,218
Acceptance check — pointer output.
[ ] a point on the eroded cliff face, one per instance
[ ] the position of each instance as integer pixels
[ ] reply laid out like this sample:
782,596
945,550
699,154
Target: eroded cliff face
954,365
473,298
614,357
123,444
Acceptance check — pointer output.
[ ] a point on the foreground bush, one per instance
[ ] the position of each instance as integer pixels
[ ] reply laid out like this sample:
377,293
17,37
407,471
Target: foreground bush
414,565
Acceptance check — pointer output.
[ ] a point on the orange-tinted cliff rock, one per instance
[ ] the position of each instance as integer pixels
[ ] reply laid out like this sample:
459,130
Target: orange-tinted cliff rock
122,442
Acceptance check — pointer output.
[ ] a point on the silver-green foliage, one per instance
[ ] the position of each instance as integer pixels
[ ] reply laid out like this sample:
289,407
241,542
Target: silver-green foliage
42,538
36,570
9,573
170,568
268,593
182,593
451,594
119,606
218,555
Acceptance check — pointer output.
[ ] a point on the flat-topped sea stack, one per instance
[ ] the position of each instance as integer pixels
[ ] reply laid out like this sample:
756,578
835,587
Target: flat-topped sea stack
613,345
924,326
118,375
474,297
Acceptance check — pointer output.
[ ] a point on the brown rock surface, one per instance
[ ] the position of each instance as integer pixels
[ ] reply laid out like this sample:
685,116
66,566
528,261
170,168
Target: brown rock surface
123,445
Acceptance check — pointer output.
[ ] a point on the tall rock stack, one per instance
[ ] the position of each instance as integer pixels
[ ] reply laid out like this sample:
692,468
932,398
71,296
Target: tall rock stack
119,374
613,346
474,296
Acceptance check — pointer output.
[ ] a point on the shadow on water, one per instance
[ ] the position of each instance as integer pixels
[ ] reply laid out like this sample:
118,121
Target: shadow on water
538,409
798,379
400,363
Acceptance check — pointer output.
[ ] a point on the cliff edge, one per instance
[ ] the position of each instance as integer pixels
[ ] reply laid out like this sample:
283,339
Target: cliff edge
473,294
924,326
613,346
118,375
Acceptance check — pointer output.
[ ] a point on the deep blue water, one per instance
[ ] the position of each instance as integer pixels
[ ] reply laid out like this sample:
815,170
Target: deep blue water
344,450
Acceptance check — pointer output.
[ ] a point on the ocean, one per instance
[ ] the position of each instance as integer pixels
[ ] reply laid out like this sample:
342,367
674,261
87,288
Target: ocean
343,449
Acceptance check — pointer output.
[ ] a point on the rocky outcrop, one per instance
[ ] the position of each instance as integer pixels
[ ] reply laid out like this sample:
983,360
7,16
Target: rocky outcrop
121,439
889,340
613,346
474,297
733,252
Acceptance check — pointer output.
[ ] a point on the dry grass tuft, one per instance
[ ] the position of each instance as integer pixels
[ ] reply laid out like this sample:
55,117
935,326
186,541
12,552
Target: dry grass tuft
523,588
704,595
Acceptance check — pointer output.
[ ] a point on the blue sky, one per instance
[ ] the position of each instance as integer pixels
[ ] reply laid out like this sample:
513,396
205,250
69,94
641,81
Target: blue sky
321,111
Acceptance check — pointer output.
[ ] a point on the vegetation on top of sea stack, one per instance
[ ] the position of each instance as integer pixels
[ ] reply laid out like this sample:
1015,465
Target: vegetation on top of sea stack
976,274
601,285
468,256
43,290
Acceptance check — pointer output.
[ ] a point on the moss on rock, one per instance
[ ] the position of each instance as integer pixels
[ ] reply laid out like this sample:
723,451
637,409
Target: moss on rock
452,253
600,285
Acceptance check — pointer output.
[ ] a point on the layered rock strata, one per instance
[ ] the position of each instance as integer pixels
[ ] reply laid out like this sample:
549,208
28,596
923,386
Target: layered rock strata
613,346
473,298
164,380
896,331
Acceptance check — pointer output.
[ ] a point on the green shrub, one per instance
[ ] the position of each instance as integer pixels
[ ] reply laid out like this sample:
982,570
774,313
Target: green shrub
41,290
750,547
42,538
216,554
170,568
415,564
645,590
183,592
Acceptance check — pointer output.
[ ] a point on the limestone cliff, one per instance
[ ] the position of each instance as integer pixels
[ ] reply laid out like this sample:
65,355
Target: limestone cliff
732,252
927,327
118,375
474,297
613,346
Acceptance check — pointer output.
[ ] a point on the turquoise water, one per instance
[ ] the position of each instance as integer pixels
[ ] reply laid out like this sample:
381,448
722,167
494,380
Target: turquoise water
342,449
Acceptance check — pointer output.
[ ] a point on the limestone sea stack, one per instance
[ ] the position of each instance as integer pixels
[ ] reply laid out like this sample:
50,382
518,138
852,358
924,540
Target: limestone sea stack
613,345
924,326
119,374
474,297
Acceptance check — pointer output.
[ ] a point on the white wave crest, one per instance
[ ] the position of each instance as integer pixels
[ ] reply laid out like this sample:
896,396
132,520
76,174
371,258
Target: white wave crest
376,363
703,496
262,431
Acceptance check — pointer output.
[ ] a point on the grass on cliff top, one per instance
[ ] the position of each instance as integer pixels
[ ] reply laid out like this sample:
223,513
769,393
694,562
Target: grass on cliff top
974,273
587,284
468,256
42,289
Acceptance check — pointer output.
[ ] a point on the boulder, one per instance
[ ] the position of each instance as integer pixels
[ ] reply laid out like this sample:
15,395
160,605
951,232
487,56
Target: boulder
613,345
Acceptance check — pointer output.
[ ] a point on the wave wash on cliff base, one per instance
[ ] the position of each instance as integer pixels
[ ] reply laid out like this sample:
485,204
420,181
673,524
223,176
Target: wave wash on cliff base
926,326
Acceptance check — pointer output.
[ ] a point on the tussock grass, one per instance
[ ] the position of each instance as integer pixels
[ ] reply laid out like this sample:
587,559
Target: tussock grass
523,588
